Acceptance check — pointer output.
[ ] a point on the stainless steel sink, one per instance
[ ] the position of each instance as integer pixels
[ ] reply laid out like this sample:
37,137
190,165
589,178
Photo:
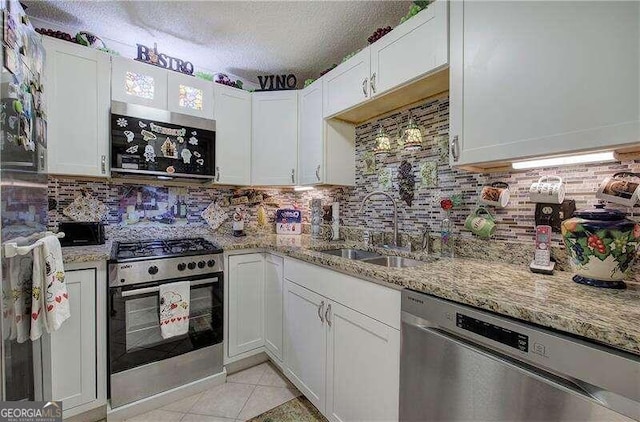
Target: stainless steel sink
354,254
394,261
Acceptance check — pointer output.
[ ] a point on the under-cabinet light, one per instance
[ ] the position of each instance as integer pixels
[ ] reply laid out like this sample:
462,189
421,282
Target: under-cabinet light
302,188
564,161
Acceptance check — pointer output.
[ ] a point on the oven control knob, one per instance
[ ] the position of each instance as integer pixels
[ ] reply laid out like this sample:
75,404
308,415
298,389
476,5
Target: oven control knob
211,263
182,266
122,280
201,264
192,265
153,270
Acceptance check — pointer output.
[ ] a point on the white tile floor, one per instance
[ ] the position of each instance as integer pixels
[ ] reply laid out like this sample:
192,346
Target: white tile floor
246,394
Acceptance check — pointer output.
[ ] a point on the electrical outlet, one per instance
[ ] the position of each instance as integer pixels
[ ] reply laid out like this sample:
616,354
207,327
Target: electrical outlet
554,214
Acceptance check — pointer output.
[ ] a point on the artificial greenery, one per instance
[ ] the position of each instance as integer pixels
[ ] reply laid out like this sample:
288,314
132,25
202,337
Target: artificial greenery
204,75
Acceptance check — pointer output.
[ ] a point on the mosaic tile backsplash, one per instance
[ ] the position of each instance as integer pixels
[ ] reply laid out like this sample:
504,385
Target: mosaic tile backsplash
434,178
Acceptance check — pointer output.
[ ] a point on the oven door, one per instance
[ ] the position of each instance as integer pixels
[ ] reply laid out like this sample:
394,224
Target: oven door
134,327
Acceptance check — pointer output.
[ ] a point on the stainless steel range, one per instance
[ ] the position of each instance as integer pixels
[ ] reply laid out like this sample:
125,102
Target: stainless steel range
141,362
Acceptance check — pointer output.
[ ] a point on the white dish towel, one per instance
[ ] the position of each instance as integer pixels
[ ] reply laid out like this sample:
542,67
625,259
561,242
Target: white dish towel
20,276
174,308
49,296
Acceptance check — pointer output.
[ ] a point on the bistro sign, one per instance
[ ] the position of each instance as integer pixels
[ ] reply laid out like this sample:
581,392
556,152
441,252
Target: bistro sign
151,56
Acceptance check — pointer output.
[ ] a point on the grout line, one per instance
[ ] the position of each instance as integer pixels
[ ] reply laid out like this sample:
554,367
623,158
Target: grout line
200,394
246,401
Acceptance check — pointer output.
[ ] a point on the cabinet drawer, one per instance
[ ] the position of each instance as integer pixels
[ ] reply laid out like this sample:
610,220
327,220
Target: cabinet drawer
378,302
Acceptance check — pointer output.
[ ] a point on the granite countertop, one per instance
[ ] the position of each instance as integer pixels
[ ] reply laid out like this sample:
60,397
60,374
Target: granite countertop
79,254
611,317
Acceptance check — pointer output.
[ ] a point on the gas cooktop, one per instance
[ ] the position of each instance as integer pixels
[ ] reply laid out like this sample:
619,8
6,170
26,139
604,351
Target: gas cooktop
124,251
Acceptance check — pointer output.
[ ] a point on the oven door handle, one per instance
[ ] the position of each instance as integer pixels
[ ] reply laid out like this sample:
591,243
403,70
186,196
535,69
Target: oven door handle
138,292
155,289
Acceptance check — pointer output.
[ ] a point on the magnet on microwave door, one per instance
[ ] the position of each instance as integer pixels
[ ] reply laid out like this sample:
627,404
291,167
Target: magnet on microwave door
186,156
130,135
148,136
149,153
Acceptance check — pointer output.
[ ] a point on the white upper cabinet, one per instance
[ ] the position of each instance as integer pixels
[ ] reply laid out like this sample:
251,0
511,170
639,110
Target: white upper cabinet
326,147
348,84
233,135
139,83
190,95
77,89
533,78
413,49
274,138
311,136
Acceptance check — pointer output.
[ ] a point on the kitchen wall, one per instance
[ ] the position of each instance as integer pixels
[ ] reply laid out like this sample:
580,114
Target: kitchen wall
515,223
117,193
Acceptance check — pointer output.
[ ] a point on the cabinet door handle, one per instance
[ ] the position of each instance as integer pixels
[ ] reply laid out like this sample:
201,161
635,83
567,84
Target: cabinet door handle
318,172
293,175
217,174
373,83
327,315
454,148
103,164
364,87
321,311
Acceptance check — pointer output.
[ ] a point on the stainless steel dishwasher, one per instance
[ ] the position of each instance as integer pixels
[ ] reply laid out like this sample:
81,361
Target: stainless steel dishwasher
462,364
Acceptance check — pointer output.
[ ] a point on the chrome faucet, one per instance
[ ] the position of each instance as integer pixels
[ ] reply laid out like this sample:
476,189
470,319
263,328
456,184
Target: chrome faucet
395,213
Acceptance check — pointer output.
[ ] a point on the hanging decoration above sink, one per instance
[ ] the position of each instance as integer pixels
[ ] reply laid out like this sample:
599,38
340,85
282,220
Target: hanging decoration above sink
151,56
406,182
412,136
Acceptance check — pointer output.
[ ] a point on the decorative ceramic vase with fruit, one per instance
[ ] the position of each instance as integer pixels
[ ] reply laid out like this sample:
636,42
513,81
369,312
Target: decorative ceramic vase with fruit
602,245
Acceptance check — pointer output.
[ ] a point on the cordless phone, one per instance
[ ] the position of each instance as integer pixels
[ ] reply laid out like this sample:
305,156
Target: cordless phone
542,256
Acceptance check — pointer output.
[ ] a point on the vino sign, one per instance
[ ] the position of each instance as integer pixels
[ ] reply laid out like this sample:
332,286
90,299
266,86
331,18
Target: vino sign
151,56
277,82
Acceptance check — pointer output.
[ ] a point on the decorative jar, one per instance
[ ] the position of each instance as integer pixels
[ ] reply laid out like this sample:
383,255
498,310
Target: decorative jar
602,245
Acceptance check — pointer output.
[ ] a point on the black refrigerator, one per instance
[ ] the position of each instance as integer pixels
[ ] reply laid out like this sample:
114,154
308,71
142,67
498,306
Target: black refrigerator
23,190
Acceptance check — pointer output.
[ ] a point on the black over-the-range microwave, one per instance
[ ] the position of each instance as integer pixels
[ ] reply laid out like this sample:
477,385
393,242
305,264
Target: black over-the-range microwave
147,141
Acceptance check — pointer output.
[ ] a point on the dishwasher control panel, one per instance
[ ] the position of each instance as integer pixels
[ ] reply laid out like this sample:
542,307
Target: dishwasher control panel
494,332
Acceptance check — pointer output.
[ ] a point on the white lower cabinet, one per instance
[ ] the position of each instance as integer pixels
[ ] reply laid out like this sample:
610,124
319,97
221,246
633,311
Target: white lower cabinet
363,367
337,337
306,342
345,361
273,306
246,301
76,369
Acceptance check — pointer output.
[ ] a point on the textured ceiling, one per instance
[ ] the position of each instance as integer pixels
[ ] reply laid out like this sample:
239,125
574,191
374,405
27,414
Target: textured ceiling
244,38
